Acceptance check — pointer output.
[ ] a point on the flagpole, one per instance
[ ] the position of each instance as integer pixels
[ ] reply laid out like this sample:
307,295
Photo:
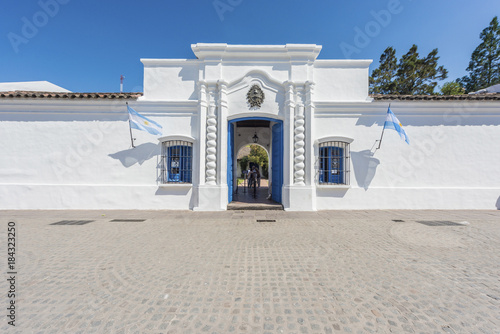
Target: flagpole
382,136
130,128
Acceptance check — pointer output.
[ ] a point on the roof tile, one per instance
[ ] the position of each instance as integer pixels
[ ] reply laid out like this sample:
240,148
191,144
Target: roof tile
474,97
54,95
134,96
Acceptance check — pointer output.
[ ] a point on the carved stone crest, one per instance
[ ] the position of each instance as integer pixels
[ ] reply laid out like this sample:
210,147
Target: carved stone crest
255,96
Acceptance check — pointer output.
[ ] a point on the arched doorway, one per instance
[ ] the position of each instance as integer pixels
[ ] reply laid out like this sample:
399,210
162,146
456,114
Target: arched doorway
241,131
249,155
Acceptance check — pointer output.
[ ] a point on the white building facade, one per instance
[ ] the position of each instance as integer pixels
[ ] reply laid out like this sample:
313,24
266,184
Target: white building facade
314,117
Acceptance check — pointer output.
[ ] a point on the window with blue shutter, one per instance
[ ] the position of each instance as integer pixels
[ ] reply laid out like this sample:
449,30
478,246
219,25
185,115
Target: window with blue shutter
333,163
177,162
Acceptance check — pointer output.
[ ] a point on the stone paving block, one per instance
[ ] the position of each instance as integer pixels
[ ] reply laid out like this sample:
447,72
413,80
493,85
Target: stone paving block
224,272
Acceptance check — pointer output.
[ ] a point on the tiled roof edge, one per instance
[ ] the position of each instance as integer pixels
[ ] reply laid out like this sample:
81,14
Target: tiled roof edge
64,95
474,97
134,96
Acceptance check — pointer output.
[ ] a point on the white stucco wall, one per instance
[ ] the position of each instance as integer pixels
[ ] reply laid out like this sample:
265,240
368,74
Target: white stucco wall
76,153
170,79
451,162
341,80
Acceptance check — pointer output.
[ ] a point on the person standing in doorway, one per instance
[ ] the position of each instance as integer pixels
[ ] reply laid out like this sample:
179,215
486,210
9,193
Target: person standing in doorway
249,176
258,176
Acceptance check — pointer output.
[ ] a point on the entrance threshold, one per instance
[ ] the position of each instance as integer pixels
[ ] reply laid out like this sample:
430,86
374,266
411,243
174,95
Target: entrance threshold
254,206
245,199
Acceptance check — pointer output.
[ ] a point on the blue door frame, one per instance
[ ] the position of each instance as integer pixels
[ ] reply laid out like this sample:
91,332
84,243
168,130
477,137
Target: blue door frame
277,156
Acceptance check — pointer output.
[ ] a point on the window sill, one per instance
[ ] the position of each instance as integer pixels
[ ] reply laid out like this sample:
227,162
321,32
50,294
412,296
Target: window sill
333,186
175,185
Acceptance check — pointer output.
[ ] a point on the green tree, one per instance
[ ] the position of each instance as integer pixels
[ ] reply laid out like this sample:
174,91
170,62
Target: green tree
452,88
418,75
258,155
382,78
413,75
484,66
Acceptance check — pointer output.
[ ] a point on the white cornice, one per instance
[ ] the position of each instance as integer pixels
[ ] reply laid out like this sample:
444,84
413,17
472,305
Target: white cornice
288,52
333,138
168,62
343,63
88,107
408,108
63,106
177,137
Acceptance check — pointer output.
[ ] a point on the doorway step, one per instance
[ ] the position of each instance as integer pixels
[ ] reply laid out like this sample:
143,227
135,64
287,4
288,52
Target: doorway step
246,199
254,206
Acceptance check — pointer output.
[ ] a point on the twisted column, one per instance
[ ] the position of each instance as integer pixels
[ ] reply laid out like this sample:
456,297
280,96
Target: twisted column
211,157
299,156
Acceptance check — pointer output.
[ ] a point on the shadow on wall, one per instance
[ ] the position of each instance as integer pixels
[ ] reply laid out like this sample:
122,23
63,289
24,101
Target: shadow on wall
498,203
179,191
139,154
330,193
365,167
188,73
173,191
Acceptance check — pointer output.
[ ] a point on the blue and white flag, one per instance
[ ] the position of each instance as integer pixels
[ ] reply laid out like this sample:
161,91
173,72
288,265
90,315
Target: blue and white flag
392,122
139,122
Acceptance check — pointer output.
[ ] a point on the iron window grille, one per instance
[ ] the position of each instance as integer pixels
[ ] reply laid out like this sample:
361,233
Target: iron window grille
176,165
334,162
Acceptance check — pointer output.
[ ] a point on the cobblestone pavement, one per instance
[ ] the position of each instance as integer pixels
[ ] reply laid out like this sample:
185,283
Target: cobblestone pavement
255,272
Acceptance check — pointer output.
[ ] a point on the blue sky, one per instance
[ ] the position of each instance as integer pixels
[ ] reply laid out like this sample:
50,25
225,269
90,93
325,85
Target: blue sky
85,46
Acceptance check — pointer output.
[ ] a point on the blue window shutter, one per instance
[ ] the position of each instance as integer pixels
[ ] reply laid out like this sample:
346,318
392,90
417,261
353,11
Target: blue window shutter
331,165
178,163
186,164
336,165
322,160
173,164
182,163
331,176
169,164
341,166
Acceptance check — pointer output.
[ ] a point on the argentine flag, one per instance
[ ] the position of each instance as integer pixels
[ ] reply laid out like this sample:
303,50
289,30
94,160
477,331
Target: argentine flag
392,122
139,122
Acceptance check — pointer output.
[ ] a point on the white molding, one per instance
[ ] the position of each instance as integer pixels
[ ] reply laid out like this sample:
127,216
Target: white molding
332,186
336,104
343,63
222,52
256,114
407,108
97,107
177,137
167,107
175,185
264,79
333,138
152,62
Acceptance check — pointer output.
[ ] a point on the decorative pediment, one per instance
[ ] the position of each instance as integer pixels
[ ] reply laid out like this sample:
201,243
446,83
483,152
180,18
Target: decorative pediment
256,77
